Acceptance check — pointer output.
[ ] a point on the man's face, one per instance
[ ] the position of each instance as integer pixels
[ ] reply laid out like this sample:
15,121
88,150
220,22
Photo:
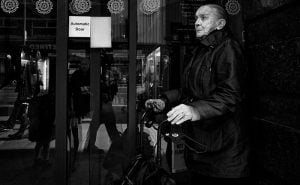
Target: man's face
206,21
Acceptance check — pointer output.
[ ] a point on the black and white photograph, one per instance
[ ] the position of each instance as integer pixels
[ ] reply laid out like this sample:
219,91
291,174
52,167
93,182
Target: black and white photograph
150,92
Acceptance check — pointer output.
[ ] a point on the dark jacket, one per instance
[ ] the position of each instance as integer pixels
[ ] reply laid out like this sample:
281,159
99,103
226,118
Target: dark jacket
41,116
212,83
80,89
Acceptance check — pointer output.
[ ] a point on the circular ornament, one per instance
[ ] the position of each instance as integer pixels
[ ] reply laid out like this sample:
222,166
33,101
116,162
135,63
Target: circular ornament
141,7
81,6
44,6
72,8
233,7
9,6
149,6
115,6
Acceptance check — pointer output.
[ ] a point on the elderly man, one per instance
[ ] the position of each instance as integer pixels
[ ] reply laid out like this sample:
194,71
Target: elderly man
208,106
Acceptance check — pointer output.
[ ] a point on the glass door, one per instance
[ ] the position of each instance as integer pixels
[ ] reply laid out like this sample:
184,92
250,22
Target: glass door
98,94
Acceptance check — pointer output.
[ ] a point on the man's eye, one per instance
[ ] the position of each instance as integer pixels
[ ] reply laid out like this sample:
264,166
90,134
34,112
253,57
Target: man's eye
203,17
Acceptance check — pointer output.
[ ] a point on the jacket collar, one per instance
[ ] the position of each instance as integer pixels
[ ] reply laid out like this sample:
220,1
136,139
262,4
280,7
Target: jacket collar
214,38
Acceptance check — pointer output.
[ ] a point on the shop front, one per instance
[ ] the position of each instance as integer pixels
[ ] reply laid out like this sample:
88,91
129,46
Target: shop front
95,62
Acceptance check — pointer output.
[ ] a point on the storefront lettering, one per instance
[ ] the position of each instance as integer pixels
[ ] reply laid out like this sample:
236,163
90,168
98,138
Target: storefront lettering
42,46
79,29
79,25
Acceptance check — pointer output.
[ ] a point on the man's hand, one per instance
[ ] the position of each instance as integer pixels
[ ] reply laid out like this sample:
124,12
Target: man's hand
157,105
182,113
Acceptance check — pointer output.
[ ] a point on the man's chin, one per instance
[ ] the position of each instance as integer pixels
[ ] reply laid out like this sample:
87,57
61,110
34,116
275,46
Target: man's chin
201,36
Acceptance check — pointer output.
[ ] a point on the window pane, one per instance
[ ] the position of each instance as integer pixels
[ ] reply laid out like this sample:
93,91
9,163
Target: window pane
27,99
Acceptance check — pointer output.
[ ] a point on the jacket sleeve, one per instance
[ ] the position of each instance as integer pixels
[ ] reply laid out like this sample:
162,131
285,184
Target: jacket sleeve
171,97
228,66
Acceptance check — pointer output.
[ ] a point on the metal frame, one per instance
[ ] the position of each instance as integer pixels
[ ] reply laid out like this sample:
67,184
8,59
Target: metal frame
132,14
61,93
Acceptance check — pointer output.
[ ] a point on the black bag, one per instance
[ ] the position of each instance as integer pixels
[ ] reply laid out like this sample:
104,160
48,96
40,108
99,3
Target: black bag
144,170
147,172
116,160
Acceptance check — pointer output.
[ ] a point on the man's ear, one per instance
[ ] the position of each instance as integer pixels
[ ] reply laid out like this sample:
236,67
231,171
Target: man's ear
221,24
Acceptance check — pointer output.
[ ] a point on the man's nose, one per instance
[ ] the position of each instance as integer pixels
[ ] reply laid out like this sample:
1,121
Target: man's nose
197,23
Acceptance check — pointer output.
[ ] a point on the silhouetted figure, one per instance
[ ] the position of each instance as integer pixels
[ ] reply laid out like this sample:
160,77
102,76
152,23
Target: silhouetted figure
79,104
39,112
109,89
42,128
27,88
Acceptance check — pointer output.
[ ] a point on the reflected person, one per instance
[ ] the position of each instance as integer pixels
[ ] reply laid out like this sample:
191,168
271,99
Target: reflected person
79,104
109,89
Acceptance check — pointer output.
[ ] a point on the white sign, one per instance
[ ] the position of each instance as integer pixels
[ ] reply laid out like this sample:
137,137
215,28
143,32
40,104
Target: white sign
79,26
101,32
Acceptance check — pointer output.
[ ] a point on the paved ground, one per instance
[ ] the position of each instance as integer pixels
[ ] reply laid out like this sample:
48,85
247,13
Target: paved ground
17,156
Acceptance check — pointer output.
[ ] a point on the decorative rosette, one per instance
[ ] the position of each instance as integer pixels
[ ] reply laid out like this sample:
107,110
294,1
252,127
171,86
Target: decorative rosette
148,7
44,6
72,8
233,7
115,6
80,6
83,6
9,6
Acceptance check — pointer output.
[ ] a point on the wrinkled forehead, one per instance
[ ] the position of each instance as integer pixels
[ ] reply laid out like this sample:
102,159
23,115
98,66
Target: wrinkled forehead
206,10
